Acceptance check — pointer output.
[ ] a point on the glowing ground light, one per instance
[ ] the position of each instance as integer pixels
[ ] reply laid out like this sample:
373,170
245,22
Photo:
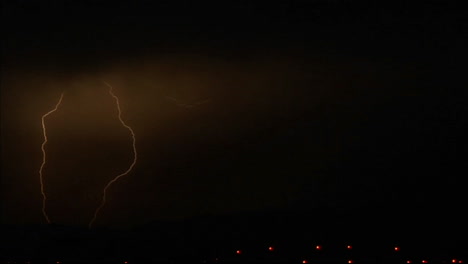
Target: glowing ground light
408,261
44,131
270,248
304,261
349,247
103,202
424,261
318,247
397,249
350,261
238,252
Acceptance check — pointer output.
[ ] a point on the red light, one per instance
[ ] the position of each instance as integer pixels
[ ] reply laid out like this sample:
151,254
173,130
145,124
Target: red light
305,261
397,249
270,248
349,247
460,261
424,261
350,261
408,261
318,247
238,252
454,261
125,262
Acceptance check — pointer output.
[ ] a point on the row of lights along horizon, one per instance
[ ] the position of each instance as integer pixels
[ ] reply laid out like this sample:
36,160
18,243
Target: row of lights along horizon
349,247
304,261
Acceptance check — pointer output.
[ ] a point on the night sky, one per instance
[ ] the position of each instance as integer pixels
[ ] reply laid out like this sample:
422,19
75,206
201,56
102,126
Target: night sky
297,105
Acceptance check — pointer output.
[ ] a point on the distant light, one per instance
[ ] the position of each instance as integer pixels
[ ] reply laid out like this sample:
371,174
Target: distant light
125,262
318,247
408,261
305,261
350,261
349,247
58,262
454,261
271,248
397,249
460,261
424,261
238,252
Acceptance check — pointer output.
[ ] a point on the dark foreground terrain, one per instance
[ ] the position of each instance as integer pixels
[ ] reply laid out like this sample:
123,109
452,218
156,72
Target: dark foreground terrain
384,235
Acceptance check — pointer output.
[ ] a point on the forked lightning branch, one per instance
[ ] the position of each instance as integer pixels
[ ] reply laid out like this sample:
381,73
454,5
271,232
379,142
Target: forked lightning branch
109,184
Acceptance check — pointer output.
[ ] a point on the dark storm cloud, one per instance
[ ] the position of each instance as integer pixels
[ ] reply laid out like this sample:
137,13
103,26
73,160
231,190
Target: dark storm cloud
333,112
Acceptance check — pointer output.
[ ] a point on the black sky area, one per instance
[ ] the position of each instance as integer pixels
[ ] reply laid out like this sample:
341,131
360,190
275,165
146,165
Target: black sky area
342,106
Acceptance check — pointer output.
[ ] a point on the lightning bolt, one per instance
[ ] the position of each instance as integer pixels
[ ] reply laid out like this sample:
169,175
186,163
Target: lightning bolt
184,105
103,201
44,196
